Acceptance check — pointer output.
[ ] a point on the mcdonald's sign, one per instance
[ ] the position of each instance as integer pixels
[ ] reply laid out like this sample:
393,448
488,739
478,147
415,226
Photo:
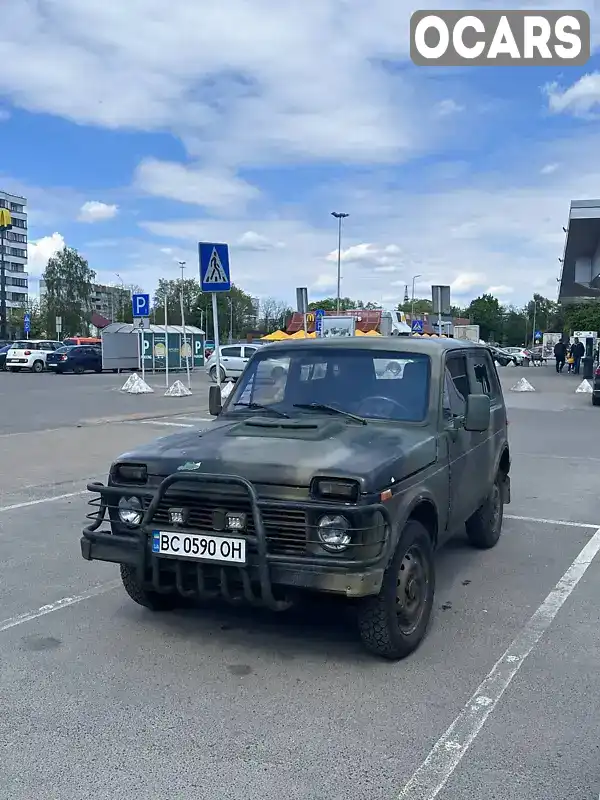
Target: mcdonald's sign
5,219
310,318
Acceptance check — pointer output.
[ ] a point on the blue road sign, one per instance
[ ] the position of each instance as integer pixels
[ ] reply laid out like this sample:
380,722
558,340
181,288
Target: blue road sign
319,314
416,326
215,275
26,323
538,334
140,305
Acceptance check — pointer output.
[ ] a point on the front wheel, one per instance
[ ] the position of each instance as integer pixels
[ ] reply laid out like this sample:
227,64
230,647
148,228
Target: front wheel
485,526
213,374
156,601
38,366
393,624
78,369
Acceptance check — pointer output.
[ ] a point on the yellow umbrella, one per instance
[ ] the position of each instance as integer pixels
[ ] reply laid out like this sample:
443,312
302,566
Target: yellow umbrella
312,335
372,333
299,335
358,333
275,336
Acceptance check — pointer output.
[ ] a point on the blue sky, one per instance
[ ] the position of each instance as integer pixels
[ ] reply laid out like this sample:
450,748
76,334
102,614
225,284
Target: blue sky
137,129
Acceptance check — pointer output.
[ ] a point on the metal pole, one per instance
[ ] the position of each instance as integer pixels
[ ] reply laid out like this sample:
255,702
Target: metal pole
3,329
533,329
230,320
187,357
439,311
412,307
166,345
215,314
339,216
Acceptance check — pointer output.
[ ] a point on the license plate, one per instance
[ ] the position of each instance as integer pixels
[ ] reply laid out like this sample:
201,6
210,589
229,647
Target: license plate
199,546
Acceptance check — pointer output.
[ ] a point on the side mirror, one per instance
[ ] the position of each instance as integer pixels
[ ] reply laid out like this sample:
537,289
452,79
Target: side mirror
477,417
215,404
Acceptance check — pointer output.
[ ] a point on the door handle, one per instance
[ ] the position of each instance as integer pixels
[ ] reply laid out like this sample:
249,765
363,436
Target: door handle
224,359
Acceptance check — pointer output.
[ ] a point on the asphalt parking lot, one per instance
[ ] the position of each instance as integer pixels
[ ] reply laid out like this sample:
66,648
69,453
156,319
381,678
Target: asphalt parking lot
101,697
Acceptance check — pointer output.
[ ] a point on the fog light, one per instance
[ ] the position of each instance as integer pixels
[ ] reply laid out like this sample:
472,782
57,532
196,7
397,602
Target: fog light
178,516
235,522
130,511
333,532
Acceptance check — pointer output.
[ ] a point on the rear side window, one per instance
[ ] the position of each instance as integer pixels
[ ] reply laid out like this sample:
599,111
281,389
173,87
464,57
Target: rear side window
231,352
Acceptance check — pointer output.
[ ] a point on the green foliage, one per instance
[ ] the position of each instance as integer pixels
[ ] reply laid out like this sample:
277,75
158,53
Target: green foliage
582,317
486,312
68,280
330,304
421,306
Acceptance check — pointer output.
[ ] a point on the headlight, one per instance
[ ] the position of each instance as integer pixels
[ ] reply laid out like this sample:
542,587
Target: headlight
130,511
333,532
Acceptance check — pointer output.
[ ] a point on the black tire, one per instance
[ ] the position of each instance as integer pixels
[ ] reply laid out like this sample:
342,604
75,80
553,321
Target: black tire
485,526
14,369
213,374
155,601
504,362
595,400
382,630
37,367
78,369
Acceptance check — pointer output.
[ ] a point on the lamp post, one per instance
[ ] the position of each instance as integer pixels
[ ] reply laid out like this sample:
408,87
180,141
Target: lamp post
5,225
122,298
339,215
412,305
185,344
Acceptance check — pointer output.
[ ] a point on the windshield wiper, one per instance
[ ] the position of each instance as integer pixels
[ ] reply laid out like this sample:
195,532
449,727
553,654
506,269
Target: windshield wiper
259,407
325,407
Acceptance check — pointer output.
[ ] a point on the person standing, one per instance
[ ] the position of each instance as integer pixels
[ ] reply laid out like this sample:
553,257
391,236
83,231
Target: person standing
577,352
560,353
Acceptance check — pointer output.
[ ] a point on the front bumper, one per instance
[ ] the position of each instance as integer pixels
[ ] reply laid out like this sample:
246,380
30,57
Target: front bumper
266,578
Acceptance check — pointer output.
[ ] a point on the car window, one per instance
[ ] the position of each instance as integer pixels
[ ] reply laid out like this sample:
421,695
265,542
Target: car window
348,379
456,387
231,352
249,352
485,375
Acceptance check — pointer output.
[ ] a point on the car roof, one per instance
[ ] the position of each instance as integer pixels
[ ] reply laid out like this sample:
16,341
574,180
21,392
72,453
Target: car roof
401,344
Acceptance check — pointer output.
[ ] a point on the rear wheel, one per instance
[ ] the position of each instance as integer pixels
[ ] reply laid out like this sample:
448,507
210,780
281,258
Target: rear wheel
142,596
393,623
213,374
38,366
78,369
485,526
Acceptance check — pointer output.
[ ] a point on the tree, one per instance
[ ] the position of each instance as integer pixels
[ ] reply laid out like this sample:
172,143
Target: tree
582,317
36,320
420,306
514,327
68,280
273,314
125,311
330,304
171,290
486,312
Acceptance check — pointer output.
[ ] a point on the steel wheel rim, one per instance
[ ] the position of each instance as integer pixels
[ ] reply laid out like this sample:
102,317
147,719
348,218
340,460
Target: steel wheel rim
411,590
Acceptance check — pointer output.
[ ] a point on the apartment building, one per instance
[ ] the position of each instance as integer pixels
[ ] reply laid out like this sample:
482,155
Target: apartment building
111,302
15,251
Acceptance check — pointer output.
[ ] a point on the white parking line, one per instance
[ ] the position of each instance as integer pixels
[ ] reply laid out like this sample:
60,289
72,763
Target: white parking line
447,753
12,622
51,499
542,521
199,419
165,424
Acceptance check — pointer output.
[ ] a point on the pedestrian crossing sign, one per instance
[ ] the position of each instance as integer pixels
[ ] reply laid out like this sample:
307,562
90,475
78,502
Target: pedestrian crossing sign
214,267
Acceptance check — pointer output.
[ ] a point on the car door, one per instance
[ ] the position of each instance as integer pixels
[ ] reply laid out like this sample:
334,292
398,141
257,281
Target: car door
248,353
487,444
463,473
232,361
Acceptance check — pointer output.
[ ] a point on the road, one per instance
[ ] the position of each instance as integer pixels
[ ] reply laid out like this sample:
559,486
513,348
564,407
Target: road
501,701
31,402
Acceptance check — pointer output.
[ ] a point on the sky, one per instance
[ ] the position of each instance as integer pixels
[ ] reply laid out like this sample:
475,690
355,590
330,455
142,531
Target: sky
137,129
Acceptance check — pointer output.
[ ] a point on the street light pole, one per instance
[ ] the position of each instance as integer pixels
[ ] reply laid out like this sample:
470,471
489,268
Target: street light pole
122,298
185,344
339,216
412,306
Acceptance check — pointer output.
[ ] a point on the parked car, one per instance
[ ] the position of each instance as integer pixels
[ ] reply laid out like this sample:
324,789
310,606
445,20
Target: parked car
503,356
234,358
259,510
5,347
520,354
75,358
30,354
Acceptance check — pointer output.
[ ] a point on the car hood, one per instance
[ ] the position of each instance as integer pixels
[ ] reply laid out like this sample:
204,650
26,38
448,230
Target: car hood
291,452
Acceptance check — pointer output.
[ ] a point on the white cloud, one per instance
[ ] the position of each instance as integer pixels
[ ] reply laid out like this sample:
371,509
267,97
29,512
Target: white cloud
94,211
447,107
43,249
548,169
213,189
254,241
381,257
500,292
581,99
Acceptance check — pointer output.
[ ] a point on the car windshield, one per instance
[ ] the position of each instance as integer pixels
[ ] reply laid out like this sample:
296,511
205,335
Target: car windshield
374,384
